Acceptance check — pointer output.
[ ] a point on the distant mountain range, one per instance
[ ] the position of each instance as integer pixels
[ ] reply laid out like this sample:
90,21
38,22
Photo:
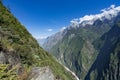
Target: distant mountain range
90,45
41,41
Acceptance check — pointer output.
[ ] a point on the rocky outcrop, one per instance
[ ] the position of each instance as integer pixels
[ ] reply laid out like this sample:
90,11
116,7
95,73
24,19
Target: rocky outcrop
41,73
9,57
2,58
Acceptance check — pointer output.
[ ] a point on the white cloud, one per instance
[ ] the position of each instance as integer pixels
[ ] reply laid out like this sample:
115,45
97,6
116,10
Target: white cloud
112,6
49,30
42,37
109,8
107,13
86,18
75,22
63,28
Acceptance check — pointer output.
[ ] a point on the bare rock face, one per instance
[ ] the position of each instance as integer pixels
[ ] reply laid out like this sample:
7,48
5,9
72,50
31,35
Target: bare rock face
2,58
41,73
9,57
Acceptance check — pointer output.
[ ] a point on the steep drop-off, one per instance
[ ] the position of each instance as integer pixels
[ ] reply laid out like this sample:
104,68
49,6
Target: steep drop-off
107,63
76,46
20,53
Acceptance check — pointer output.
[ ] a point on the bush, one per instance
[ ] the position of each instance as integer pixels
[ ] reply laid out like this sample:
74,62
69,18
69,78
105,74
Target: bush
6,74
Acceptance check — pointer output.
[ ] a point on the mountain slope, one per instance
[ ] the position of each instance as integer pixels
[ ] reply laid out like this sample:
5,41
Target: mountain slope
107,63
20,52
75,46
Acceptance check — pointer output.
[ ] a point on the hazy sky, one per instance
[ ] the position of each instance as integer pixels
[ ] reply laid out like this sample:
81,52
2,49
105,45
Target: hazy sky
45,17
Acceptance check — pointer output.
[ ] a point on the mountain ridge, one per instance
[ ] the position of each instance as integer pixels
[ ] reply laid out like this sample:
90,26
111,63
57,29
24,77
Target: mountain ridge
76,46
107,13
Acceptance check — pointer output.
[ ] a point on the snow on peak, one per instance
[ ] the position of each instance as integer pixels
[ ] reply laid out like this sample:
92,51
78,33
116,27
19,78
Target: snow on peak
107,13
75,22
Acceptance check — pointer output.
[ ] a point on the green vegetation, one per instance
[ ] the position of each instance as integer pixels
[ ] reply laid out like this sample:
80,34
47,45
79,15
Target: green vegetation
6,74
76,49
86,49
112,72
106,65
20,47
93,75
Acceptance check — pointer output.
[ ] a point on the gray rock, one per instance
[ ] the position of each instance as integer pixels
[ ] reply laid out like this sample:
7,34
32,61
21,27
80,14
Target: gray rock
2,58
41,73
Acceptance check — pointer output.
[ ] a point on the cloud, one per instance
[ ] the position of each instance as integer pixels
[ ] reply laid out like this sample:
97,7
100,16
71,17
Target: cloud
63,28
87,17
107,13
109,8
112,6
49,30
42,37
75,22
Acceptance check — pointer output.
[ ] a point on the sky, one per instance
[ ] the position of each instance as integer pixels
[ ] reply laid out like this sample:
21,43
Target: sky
43,18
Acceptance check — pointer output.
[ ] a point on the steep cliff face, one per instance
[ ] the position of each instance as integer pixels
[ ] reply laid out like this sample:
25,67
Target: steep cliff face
107,63
20,52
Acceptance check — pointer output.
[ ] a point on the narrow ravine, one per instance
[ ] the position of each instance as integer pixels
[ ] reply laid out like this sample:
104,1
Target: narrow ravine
71,72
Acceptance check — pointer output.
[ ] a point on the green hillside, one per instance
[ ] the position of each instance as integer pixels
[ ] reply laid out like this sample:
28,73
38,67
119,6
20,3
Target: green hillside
20,51
107,63
77,47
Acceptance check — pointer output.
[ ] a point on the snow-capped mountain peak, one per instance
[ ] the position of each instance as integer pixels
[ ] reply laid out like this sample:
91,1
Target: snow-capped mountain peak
107,13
